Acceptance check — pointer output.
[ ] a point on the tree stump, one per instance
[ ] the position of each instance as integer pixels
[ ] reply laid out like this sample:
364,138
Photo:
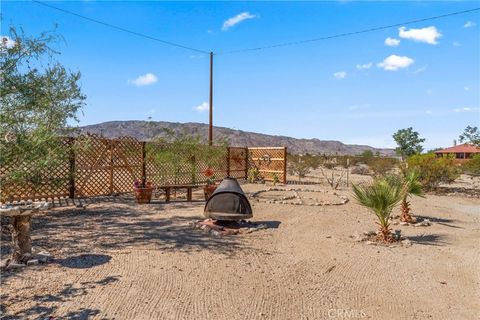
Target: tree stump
20,228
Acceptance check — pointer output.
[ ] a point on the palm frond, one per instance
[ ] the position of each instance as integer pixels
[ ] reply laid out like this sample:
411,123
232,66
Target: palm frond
381,197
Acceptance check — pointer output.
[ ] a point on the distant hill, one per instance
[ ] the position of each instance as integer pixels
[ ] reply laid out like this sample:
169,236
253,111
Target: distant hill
144,130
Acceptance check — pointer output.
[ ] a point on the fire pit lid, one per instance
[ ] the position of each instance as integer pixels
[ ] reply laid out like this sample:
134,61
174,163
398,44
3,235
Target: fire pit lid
228,202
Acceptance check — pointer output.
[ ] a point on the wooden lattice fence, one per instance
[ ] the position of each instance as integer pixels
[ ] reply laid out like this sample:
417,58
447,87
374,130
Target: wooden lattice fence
269,162
96,166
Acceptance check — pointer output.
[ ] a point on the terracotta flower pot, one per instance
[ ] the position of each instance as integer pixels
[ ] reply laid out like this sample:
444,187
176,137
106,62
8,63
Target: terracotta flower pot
143,195
208,190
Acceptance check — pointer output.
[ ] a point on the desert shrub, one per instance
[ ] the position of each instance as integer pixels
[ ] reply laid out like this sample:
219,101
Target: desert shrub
363,170
301,165
254,175
434,171
381,166
472,166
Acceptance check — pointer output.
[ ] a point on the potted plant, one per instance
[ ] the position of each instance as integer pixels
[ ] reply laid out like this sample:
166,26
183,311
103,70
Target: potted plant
210,186
143,191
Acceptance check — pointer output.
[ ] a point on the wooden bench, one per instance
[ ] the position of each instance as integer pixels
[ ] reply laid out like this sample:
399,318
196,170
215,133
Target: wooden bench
168,188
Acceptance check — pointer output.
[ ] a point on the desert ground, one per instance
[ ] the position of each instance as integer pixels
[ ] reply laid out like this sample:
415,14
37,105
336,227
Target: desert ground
115,259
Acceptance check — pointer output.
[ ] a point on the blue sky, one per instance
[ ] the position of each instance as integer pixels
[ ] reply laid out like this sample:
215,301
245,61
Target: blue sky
357,89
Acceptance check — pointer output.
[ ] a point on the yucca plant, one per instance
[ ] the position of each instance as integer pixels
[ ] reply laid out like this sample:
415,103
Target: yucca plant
381,197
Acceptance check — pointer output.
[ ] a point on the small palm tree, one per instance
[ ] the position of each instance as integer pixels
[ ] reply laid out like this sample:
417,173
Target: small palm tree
381,197
412,187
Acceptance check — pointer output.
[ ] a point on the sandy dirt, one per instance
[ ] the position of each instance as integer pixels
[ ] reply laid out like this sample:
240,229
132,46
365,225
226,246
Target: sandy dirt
119,260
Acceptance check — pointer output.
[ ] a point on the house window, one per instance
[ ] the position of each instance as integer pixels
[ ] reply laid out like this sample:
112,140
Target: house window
460,155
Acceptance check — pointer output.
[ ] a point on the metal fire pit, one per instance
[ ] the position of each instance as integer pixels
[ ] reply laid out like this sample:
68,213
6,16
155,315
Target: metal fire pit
228,202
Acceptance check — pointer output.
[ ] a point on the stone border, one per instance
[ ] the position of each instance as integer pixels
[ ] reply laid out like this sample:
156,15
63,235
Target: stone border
299,202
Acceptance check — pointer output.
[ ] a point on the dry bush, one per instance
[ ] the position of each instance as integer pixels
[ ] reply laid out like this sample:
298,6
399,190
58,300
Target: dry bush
363,170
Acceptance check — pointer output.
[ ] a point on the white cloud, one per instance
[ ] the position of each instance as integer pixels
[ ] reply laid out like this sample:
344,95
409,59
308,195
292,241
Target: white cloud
428,35
466,88
469,24
340,75
456,44
394,62
202,107
144,80
466,109
429,92
364,66
420,69
392,42
7,42
237,19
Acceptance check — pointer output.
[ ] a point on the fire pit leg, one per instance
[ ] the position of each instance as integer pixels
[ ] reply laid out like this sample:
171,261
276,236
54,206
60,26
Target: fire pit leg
21,240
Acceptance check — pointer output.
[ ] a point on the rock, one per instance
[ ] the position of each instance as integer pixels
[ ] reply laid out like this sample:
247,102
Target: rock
406,243
424,223
4,263
402,223
369,233
215,233
328,237
44,256
371,243
358,238
15,266
32,262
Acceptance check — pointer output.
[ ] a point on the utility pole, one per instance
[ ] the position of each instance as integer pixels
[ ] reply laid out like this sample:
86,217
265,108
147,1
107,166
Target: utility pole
210,124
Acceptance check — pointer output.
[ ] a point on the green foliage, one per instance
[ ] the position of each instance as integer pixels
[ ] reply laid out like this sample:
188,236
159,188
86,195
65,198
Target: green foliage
367,154
253,175
38,99
301,165
470,135
175,151
472,166
275,178
433,171
381,166
380,197
408,141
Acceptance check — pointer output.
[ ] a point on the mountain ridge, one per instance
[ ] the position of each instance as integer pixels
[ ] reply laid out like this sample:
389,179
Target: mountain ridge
146,130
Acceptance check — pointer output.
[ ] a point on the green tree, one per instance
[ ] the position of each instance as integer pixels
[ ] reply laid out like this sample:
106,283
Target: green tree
470,135
367,154
38,100
408,141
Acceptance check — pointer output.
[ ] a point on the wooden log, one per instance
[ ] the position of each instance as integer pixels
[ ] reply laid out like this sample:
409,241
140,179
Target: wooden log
21,238
167,194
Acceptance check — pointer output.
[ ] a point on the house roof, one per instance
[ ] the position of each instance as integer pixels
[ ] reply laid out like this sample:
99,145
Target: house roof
462,148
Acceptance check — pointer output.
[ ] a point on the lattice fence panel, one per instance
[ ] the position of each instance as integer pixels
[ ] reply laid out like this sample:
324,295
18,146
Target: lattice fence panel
93,158
127,163
51,182
238,162
173,165
268,161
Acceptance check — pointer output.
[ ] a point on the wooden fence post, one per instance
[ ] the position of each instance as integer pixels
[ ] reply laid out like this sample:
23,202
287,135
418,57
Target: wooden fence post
71,170
285,165
144,166
228,161
247,157
111,146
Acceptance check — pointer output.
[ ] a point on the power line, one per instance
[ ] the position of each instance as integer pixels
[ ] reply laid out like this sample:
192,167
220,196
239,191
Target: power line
285,44
121,28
